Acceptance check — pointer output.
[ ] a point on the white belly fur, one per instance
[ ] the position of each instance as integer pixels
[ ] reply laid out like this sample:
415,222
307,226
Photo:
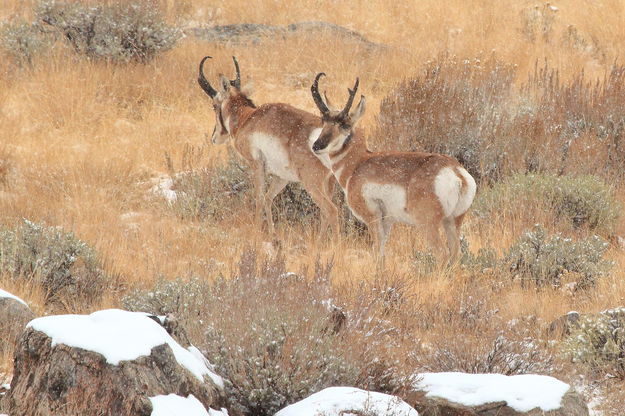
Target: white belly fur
391,196
275,155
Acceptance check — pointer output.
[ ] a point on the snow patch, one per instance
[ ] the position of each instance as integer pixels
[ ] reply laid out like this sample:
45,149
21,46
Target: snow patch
340,400
162,187
521,392
117,335
174,405
5,294
215,377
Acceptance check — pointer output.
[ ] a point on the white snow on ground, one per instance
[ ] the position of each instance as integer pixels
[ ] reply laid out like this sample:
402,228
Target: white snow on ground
117,335
215,377
162,186
5,294
521,392
174,405
334,400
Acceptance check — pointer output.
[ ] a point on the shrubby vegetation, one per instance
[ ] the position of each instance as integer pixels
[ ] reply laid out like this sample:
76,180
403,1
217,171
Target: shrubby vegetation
555,260
599,343
64,266
117,32
471,109
214,193
582,201
23,41
288,340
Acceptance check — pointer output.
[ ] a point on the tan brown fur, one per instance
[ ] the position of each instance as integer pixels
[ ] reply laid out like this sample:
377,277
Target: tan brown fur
387,187
291,127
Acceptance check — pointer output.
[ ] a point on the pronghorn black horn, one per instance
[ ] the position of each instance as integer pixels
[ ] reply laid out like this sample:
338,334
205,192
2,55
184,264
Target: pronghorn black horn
201,79
237,81
350,100
314,89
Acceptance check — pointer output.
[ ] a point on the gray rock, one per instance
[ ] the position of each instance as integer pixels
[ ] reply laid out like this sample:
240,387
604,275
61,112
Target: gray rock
564,325
62,380
572,405
14,315
243,33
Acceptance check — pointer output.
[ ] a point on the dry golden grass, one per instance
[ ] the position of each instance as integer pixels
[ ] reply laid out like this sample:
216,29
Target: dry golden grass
80,140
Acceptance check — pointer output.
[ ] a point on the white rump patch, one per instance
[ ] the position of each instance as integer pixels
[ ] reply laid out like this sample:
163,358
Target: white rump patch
275,154
447,186
466,197
393,198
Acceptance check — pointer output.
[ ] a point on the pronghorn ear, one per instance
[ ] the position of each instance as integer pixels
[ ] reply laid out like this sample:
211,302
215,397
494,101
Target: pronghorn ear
359,111
224,84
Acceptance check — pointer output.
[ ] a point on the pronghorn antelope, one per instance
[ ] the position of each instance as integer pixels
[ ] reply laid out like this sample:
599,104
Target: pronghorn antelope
381,188
275,139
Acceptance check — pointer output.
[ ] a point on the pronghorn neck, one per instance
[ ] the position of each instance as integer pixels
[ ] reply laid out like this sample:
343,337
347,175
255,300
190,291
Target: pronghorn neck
240,108
344,161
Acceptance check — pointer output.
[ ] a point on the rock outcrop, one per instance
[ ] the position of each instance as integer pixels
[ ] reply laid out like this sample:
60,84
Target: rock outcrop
14,315
349,401
459,394
244,33
107,363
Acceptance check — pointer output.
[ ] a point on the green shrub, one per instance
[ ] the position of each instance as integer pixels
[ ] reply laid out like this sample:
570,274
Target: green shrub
553,260
213,193
472,110
67,268
22,41
599,342
274,336
118,32
582,200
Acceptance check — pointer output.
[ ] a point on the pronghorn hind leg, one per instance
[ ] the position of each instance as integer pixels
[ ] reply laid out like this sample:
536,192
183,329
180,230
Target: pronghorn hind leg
383,228
434,238
259,185
453,240
276,185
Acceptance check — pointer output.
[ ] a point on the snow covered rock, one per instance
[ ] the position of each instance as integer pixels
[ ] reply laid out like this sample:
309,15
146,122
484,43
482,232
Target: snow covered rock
108,363
459,394
174,405
348,401
14,315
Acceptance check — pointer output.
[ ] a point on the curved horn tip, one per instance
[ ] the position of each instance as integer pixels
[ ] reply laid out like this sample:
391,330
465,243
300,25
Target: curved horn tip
319,75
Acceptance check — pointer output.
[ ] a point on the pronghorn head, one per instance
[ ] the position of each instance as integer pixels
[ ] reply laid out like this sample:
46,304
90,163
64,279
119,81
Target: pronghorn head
338,126
226,100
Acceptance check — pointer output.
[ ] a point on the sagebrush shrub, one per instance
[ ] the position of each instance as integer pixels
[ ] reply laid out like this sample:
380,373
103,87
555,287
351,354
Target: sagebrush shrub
66,267
455,107
117,32
582,200
470,109
213,193
274,336
23,41
553,260
599,342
